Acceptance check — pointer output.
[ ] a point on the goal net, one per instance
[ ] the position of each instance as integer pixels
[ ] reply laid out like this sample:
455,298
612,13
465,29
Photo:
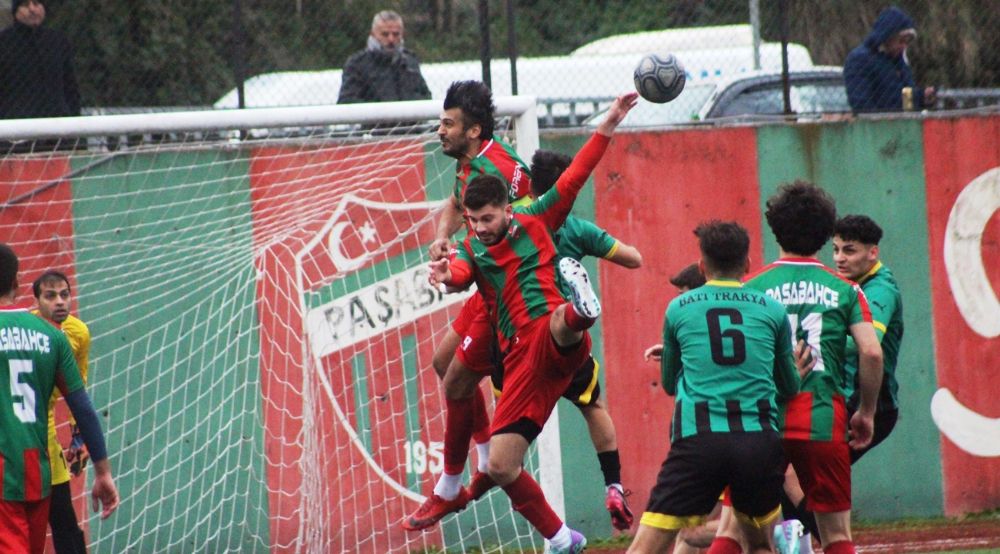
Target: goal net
255,283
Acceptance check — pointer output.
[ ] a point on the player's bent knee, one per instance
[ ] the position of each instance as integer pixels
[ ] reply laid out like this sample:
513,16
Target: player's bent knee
445,353
459,381
440,363
503,473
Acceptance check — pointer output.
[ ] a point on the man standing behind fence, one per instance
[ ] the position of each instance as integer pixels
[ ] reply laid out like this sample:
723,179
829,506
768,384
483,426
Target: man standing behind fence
877,73
384,71
37,78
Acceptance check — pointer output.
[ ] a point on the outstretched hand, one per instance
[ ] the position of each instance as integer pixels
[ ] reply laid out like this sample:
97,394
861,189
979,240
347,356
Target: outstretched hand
617,112
440,271
653,353
439,249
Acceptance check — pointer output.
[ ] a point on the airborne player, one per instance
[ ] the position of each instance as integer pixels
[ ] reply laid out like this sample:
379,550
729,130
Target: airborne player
466,355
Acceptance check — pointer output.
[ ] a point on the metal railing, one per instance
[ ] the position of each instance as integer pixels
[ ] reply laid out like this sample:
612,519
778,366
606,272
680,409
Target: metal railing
966,98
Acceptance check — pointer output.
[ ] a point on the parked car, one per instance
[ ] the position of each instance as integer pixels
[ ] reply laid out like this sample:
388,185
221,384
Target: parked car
753,95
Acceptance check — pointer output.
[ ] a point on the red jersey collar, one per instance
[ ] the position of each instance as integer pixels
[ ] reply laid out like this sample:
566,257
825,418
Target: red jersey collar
794,260
485,148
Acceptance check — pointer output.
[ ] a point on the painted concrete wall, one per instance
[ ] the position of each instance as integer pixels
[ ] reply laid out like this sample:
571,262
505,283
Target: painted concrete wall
933,185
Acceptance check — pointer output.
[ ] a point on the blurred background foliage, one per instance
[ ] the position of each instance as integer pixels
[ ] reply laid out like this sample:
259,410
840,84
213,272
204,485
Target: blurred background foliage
185,52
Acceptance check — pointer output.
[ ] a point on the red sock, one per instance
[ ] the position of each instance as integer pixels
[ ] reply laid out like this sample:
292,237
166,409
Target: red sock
480,420
575,321
457,432
839,547
529,500
725,545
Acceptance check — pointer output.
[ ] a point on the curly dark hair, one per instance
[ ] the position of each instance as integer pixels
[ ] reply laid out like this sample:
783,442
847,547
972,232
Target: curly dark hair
485,190
546,167
8,269
858,227
688,278
801,216
724,245
476,102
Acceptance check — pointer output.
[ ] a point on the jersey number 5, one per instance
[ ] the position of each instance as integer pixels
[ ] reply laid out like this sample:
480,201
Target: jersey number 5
716,336
24,408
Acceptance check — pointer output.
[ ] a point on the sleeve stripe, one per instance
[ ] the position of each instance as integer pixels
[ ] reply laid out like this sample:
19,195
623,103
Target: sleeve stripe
613,251
879,325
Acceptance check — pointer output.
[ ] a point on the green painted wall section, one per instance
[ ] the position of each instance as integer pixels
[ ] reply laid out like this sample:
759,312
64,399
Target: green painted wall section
408,349
185,347
876,168
363,422
167,284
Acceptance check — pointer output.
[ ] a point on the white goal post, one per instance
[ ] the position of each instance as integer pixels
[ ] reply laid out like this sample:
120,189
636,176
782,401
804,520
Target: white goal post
262,325
521,108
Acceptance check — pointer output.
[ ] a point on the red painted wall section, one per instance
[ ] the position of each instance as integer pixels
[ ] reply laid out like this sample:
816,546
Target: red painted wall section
36,218
968,363
295,194
696,175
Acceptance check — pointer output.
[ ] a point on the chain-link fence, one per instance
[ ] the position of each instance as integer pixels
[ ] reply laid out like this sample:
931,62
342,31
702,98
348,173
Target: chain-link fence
574,55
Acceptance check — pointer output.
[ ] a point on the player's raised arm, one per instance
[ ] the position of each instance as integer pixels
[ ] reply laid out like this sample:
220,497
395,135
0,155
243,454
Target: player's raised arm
555,205
617,112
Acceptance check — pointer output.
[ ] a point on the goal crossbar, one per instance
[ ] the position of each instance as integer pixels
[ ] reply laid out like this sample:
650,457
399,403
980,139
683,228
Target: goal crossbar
522,108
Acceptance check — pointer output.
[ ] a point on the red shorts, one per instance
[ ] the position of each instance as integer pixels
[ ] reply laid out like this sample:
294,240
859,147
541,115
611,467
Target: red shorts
23,526
476,350
536,374
824,471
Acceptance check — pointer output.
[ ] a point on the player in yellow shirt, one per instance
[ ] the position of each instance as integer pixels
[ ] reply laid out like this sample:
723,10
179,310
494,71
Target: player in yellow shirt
54,297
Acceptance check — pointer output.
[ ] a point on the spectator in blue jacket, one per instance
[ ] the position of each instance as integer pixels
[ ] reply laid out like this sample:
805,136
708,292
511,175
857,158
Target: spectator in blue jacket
877,71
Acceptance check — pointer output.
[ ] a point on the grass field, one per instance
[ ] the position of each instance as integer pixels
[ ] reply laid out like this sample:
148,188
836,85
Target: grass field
978,534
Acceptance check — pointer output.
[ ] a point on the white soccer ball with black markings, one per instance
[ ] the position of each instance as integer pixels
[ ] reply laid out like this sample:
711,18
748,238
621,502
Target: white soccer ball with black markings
659,78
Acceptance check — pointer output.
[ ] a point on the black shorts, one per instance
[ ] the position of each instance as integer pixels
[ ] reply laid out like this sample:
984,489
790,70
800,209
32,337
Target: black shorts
698,468
583,390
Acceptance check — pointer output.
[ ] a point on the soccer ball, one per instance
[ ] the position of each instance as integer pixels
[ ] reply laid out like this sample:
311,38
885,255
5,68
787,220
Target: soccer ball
658,78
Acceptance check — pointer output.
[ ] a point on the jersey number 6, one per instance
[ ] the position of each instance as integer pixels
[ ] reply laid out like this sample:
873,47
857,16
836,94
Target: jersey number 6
716,335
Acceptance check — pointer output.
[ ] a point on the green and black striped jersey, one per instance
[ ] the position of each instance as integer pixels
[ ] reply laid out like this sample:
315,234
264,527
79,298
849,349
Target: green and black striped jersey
727,355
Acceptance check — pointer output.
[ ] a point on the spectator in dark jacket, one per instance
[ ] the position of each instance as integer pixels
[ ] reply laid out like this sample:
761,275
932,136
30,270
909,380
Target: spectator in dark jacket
876,72
384,71
36,67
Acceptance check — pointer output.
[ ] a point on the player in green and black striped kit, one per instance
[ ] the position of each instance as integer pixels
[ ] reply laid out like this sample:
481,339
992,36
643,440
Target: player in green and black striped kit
823,308
856,255
726,356
35,358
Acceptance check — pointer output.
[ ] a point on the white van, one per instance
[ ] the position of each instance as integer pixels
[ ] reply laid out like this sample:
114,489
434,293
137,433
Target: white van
568,88
670,40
